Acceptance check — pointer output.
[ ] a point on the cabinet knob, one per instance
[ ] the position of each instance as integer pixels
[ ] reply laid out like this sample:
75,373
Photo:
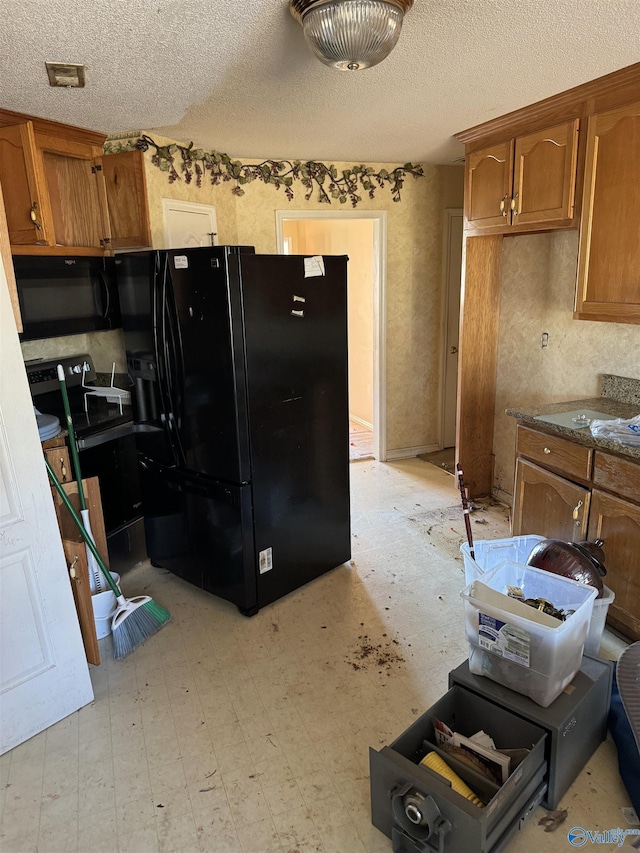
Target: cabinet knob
547,451
576,512
514,205
503,206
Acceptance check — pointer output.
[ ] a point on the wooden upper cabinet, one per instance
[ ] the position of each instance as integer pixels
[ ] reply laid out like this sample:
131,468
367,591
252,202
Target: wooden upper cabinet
28,216
127,199
488,182
527,181
544,175
72,179
608,281
53,186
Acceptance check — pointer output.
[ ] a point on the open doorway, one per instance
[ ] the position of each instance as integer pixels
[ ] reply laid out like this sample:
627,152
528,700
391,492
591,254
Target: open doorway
361,236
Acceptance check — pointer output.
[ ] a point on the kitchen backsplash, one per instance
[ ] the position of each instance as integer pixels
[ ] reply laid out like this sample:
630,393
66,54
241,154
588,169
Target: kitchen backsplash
621,388
105,348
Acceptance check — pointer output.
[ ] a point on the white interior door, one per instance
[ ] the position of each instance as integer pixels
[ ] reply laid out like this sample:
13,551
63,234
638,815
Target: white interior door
452,283
44,674
187,224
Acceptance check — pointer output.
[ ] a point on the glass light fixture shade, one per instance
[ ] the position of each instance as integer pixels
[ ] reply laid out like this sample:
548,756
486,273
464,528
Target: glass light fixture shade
351,35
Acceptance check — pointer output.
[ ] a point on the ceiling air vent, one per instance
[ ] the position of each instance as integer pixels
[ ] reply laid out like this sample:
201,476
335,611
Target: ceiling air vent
65,74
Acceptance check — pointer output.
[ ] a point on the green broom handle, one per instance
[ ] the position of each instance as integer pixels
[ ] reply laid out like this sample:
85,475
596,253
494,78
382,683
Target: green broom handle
72,437
78,521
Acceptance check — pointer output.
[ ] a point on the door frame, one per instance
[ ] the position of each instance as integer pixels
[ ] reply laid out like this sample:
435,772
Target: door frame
449,214
379,219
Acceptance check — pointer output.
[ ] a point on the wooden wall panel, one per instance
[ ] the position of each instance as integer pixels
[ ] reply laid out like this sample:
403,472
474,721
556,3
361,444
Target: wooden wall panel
477,362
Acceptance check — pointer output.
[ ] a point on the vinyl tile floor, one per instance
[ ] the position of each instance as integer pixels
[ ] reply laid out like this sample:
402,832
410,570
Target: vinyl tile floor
232,735
360,442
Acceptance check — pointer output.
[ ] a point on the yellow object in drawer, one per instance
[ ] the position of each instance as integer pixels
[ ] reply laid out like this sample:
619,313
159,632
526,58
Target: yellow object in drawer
433,761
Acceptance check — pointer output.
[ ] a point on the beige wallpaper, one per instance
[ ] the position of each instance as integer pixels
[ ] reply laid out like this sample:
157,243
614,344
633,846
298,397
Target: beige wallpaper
414,274
538,281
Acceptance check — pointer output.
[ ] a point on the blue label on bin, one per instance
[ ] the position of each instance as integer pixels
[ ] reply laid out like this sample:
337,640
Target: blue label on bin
503,639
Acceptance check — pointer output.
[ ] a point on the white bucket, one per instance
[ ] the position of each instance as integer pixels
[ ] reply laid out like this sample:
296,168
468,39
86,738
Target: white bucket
104,605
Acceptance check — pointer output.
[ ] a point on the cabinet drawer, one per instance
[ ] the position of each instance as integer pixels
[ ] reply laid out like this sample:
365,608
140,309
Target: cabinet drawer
555,452
621,476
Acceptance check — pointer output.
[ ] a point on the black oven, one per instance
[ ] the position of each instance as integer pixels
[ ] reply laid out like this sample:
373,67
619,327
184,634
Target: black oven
66,295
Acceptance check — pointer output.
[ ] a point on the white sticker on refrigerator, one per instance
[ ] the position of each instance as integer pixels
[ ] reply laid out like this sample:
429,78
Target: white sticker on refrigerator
313,266
266,560
503,639
181,262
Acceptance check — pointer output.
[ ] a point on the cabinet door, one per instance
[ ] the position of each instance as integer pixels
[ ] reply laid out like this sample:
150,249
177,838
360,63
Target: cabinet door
127,199
548,505
7,262
488,186
72,172
608,285
617,523
544,176
22,185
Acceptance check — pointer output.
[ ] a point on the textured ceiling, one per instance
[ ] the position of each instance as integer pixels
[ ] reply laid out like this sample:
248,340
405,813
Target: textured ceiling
237,76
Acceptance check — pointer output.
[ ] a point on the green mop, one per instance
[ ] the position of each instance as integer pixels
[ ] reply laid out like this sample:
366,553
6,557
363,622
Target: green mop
136,619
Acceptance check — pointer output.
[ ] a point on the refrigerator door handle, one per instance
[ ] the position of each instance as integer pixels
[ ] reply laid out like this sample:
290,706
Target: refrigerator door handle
158,335
173,358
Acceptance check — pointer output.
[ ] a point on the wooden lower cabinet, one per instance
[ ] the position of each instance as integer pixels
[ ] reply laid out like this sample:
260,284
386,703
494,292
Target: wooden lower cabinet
604,504
617,523
58,458
548,505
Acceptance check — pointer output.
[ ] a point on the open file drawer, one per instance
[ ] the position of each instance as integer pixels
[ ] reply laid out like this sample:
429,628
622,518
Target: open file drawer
575,723
419,810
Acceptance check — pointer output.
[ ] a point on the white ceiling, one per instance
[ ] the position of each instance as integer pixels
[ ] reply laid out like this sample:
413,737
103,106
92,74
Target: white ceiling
238,77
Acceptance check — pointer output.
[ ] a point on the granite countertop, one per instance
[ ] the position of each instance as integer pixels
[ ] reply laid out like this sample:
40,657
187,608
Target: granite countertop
620,399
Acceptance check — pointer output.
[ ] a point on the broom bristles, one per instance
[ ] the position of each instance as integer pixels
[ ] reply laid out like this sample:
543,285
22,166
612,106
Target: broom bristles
141,622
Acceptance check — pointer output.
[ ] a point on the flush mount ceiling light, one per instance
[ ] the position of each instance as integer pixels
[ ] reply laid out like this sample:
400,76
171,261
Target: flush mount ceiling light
65,74
351,34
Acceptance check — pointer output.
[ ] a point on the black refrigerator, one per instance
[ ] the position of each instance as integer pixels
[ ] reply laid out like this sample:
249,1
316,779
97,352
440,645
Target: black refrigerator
239,366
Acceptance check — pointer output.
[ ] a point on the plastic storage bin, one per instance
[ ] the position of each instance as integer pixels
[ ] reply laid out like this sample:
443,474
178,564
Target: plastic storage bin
514,644
598,618
489,552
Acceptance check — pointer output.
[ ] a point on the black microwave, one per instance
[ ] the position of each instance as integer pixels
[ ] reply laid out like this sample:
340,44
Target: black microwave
66,295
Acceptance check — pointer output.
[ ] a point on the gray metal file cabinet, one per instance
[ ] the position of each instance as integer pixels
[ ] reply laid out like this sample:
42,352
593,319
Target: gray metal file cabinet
419,810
